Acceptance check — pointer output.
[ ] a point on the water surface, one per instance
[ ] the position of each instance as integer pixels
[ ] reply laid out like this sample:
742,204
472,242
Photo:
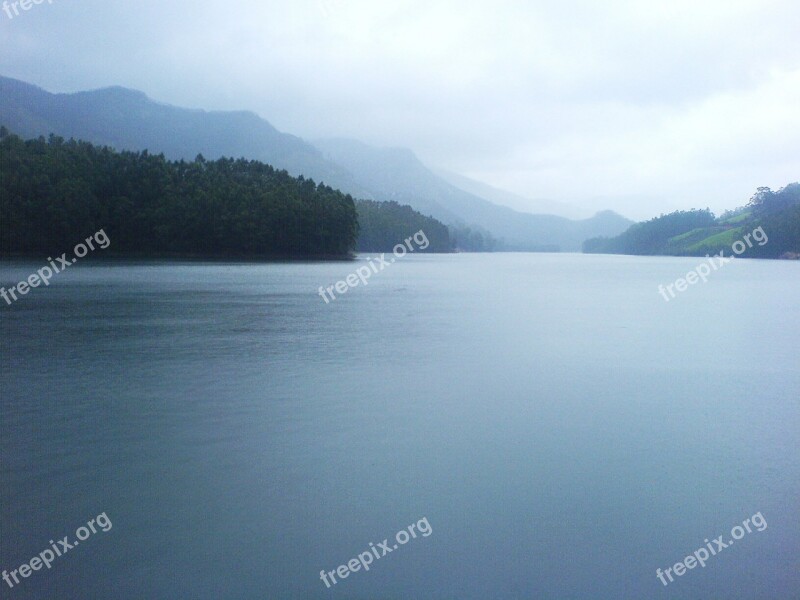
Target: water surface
564,430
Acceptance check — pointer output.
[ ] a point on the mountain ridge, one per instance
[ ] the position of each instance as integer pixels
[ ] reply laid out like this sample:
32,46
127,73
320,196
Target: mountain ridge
407,180
127,119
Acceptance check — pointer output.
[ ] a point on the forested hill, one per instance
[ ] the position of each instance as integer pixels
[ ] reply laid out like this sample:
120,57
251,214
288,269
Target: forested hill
54,193
699,232
382,225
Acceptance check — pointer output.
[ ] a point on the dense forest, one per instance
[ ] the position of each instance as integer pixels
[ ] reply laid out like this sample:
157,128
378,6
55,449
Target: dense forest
54,193
385,224
699,232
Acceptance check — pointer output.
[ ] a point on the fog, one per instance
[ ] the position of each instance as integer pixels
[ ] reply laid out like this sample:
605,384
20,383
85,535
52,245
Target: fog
638,107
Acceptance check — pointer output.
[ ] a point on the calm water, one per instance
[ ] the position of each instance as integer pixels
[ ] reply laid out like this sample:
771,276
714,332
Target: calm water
564,430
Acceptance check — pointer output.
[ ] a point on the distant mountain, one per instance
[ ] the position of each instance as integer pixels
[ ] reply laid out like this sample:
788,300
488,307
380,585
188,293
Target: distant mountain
128,120
505,198
397,174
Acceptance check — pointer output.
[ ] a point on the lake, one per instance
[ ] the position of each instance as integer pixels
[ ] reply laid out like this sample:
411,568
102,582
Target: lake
563,430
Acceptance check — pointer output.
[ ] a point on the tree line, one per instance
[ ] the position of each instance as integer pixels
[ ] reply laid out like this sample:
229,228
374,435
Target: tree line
53,192
385,224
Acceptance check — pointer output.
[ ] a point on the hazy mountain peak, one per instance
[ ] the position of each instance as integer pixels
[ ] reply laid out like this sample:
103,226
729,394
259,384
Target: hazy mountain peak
128,119
117,92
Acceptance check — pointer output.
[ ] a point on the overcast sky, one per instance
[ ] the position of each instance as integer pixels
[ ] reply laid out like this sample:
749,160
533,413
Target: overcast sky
642,107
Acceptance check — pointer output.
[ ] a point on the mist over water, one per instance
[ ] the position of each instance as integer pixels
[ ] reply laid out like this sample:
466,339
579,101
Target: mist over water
564,430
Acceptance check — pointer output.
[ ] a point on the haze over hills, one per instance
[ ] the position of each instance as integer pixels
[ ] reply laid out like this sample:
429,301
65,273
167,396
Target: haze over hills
393,174
520,203
397,174
128,120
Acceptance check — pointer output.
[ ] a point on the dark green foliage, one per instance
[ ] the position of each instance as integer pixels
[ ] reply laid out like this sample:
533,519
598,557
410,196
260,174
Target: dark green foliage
55,193
766,202
778,214
386,224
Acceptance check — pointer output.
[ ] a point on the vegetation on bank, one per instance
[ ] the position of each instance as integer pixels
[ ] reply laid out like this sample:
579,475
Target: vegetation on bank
385,224
699,232
52,192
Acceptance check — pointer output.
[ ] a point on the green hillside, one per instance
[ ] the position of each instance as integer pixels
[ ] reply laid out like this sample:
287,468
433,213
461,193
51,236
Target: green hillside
768,227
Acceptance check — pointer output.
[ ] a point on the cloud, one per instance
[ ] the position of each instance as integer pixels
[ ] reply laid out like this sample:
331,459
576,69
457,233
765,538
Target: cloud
673,103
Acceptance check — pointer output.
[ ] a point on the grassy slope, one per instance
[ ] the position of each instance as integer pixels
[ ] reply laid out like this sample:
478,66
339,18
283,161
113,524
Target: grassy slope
717,241
710,239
